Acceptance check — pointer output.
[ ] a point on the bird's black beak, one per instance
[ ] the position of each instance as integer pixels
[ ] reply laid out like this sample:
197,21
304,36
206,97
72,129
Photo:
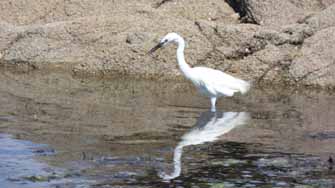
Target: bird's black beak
159,45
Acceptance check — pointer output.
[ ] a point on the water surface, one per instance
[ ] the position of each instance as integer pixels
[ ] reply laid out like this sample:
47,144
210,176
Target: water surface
137,133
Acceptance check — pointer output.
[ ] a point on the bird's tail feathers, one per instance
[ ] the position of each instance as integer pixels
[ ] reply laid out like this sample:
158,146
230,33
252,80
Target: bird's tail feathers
244,86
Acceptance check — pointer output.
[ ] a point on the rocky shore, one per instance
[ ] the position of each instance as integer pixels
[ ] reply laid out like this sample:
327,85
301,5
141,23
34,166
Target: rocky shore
289,42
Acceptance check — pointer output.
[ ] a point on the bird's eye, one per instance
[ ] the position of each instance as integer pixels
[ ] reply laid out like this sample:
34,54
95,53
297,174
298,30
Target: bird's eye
166,40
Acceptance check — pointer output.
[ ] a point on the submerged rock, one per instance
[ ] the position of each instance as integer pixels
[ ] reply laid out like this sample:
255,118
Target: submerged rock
276,162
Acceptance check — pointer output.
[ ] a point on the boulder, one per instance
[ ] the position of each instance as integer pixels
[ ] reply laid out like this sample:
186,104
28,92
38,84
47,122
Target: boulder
327,3
323,19
109,38
105,42
316,63
274,13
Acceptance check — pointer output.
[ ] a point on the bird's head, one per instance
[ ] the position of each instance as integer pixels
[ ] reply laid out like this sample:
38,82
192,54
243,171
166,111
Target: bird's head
170,37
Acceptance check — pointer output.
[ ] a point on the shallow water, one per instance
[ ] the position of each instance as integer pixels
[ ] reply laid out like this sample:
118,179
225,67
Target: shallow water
73,132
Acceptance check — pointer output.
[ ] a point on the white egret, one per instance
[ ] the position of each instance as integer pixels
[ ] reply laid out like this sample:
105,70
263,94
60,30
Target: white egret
210,82
209,127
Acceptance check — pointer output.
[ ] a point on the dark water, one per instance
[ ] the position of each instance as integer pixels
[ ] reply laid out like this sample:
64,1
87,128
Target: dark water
59,131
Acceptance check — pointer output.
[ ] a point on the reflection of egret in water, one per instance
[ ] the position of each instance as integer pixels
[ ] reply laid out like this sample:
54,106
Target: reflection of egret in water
208,128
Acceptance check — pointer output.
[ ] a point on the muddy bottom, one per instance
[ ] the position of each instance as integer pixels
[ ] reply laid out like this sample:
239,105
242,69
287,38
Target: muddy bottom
60,131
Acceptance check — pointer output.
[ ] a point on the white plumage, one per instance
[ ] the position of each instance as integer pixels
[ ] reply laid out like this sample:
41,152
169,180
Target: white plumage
210,82
209,127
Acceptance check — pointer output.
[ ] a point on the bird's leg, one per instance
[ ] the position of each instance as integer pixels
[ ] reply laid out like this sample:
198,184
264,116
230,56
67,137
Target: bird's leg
213,101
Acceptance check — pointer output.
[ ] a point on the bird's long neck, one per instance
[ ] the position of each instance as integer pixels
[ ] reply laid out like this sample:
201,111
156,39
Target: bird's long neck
184,67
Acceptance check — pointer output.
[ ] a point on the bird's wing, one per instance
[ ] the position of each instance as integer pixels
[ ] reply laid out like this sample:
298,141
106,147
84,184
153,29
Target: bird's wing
221,81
